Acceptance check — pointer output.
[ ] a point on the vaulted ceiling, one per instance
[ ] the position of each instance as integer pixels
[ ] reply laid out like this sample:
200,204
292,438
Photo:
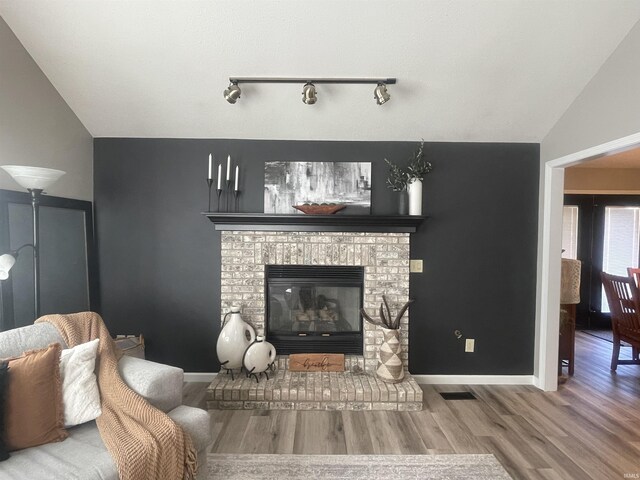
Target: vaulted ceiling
492,70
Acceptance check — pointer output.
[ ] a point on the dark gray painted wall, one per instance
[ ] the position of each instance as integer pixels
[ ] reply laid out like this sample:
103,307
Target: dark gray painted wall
159,258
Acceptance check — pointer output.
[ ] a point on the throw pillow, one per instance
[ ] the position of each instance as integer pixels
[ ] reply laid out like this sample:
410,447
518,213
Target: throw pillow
4,374
80,393
34,414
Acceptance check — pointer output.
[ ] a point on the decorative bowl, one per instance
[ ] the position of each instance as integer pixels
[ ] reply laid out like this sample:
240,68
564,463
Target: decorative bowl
324,209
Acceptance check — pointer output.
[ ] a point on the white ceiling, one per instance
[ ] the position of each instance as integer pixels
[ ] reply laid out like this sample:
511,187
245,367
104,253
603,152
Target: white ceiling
491,70
625,159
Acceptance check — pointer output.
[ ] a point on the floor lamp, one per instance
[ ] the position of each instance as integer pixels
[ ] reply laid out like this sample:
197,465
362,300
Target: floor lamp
35,180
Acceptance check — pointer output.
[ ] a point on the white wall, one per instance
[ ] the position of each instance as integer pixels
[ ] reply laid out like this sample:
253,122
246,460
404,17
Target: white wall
608,108
37,127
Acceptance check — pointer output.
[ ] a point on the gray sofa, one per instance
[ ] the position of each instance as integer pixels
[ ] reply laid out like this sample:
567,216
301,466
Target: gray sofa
83,455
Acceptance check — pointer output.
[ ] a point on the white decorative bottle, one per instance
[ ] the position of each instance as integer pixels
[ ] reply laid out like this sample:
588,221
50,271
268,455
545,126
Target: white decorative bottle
234,339
415,196
259,356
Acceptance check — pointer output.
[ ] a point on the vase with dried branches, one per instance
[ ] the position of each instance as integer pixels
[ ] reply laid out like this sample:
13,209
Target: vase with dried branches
390,368
410,178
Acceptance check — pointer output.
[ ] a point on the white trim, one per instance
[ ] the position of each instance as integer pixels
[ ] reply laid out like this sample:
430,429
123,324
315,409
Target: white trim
199,376
614,146
551,247
474,379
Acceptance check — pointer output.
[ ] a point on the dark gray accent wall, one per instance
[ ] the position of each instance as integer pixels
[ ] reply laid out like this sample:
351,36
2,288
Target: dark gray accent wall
160,262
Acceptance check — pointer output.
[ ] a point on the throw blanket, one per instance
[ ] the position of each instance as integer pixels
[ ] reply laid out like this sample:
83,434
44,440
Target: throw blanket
143,441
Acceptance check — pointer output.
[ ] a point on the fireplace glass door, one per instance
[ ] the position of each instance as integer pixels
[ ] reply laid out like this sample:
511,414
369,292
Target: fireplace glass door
314,309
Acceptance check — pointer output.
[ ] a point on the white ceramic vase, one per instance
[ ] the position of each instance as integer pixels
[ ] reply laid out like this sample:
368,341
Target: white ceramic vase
259,356
234,339
415,197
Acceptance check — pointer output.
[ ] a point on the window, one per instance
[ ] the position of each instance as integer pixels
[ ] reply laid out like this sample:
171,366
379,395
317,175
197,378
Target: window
570,232
621,242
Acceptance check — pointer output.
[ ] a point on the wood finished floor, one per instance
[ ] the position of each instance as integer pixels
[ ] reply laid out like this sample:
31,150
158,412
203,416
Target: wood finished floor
589,428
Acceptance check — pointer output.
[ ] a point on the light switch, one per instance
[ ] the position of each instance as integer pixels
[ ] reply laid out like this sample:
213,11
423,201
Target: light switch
415,266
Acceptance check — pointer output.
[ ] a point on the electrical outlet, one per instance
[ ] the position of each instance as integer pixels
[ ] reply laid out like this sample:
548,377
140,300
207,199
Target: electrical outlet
470,345
415,266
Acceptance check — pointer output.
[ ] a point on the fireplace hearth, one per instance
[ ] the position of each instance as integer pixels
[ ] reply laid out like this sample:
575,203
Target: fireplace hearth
314,309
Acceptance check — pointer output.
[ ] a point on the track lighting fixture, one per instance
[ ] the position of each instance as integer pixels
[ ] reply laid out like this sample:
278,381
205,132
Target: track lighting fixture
309,94
380,94
232,93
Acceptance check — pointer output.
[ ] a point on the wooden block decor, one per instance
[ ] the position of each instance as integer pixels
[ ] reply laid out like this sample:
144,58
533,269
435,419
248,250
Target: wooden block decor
316,362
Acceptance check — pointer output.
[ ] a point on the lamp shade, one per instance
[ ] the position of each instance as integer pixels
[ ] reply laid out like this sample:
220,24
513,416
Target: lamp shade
33,178
570,281
6,262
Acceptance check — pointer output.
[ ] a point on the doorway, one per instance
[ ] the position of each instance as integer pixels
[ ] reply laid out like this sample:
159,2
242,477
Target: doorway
550,247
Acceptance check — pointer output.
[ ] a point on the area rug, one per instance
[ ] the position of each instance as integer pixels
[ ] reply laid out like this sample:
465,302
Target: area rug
354,467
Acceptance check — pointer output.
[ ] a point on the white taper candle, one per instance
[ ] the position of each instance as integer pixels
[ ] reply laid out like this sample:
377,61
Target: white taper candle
219,176
237,175
210,160
228,168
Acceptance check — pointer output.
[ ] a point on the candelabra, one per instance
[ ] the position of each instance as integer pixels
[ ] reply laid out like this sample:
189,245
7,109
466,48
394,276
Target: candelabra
224,201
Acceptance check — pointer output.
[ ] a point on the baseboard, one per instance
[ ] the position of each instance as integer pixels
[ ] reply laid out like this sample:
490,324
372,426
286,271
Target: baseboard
474,379
199,376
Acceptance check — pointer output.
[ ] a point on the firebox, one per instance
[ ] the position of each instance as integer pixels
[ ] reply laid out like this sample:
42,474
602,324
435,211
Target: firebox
314,309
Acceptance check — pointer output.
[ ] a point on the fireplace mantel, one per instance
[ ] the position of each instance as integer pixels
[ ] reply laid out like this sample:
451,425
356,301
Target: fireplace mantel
315,223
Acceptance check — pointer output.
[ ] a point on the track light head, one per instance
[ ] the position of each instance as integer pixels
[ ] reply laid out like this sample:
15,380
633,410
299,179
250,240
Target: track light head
380,94
232,93
309,95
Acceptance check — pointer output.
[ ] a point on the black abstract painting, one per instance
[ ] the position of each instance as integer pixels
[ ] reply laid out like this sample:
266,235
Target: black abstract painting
296,183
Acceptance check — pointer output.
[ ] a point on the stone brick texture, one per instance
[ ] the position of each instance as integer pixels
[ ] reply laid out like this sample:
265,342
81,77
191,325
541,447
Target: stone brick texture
384,256
286,390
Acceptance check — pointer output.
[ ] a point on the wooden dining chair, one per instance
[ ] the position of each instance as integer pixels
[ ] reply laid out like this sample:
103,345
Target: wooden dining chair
635,274
624,303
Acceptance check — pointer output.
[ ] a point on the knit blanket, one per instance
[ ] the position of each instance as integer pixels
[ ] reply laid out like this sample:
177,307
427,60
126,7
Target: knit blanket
144,442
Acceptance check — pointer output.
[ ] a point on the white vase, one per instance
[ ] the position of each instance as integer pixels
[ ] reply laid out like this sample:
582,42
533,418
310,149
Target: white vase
390,367
234,339
259,356
415,197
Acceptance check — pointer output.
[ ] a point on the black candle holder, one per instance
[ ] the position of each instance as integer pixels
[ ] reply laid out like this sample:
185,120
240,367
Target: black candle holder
227,195
209,183
218,192
236,201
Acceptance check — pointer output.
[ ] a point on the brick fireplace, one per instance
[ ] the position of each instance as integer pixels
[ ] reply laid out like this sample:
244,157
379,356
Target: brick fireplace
250,243
384,257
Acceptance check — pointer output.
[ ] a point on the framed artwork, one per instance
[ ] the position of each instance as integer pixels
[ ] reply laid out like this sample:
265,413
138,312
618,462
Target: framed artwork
295,183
